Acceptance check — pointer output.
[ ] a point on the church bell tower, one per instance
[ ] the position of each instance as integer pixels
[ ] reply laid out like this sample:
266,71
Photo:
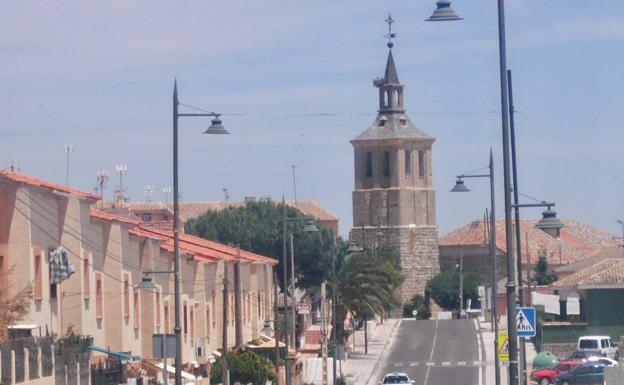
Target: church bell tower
394,201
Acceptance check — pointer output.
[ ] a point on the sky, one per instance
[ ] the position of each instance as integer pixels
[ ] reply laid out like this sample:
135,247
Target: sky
293,80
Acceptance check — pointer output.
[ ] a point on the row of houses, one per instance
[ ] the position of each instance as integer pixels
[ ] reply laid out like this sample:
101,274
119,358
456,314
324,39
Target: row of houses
83,266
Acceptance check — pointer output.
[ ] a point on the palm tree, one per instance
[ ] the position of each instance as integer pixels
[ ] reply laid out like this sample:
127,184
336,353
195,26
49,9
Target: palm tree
365,285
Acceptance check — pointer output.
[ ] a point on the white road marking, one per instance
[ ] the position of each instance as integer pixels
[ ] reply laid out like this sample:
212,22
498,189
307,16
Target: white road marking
413,363
479,370
429,364
461,363
477,363
446,363
398,364
435,336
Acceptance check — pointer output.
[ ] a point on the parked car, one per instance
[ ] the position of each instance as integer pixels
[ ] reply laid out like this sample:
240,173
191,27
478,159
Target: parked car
584,355
606,361
396,378
588,373
548,376
602,343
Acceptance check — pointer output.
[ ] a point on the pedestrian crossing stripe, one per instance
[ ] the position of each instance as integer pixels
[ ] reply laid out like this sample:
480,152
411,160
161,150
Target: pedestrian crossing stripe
522,323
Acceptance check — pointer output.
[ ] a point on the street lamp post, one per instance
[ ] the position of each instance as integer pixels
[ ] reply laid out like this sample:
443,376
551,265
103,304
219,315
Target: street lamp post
461,187
621,222
445,13
216,127
310,227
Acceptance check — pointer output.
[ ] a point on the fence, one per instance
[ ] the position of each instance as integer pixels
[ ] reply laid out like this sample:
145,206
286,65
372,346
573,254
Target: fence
36,361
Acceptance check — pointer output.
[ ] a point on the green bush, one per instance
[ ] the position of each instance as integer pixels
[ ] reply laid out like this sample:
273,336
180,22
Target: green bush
246,367
444,288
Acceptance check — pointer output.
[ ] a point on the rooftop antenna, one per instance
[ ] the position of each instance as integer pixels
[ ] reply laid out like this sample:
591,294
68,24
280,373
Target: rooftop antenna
120,169
102,179
148,190
390,35
294,183
166,191
67,149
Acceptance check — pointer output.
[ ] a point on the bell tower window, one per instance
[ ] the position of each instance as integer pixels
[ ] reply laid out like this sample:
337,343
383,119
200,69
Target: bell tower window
368,165
421,164
408,163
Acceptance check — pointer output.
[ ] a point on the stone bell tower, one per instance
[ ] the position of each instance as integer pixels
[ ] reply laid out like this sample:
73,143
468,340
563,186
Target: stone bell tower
394,201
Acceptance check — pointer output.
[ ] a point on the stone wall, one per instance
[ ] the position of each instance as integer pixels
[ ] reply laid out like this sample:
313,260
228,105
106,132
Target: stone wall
417,247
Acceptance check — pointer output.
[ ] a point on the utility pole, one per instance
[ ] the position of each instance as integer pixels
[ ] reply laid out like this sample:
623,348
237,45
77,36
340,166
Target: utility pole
225,373
294,183
238,319
293,329
166,191
324,332
148,191
461,284
285,290
67,149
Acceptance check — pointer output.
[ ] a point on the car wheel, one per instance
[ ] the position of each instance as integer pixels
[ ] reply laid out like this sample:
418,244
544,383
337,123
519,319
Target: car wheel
565,383
617,356
544,381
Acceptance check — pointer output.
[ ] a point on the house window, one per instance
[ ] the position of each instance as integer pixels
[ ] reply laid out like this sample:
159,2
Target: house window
166,315
382,122
386,163
408,163
157,308
136,308
98,295
38,294
214,304
368,164
260,305
185,315
126,295
192,317
146,217
85,276
421,164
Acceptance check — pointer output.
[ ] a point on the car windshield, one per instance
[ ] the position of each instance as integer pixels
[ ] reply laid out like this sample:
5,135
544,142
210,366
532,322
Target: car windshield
396,380
588,344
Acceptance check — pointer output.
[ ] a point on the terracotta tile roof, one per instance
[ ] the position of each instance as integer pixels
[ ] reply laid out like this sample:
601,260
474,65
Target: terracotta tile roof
32,181
607,273
313,209
108,216
613,252
577,240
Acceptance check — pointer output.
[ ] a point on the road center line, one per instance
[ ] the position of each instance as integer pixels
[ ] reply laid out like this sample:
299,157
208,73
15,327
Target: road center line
435,336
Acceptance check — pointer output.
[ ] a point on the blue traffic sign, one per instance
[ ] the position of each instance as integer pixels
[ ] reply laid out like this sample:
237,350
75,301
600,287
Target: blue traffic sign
525,321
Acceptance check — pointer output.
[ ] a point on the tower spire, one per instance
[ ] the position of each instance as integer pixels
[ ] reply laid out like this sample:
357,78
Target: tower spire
390,89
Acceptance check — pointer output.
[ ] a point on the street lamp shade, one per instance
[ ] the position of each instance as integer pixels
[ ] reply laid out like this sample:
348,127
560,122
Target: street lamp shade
146,283
310,227
444,12
549,220
354,248
216,127
460,186
267,329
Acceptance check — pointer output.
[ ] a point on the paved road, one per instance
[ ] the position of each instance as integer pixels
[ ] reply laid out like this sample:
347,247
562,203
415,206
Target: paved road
436,352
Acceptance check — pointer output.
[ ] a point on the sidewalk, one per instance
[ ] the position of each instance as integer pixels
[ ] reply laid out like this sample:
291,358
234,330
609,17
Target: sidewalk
490,350
360,368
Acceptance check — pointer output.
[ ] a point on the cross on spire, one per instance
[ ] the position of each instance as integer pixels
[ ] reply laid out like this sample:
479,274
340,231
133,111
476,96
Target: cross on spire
390,35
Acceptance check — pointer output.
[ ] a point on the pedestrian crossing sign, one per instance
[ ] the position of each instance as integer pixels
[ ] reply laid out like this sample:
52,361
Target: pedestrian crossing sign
525,321
503,347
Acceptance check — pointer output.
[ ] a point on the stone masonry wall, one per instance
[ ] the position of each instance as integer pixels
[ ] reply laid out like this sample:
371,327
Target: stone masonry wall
417,247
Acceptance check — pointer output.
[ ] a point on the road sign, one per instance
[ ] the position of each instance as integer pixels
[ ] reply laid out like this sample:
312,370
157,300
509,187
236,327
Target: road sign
304,308
525,321
503,347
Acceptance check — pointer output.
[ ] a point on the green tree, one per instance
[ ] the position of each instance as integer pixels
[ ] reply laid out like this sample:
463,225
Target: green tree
257,227
542,276
444,288
365,285
246,367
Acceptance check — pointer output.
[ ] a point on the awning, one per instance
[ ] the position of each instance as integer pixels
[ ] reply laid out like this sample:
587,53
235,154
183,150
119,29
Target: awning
117,355
23,327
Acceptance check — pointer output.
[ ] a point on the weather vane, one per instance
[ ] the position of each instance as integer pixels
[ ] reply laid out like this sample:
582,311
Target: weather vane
390,34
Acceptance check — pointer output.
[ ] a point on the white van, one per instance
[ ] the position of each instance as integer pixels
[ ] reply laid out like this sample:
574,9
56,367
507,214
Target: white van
603,344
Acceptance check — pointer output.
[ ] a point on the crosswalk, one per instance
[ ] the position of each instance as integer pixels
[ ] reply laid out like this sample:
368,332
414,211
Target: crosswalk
440,363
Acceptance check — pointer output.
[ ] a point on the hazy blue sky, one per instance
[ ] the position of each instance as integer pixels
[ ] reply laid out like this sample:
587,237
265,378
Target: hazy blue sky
99,75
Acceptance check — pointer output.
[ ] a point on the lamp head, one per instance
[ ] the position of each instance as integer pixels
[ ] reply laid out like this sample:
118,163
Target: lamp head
444,12
216,127
460,186
146,283
354,248
310,227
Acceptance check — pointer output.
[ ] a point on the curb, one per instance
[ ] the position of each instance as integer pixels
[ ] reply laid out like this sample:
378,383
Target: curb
383,351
